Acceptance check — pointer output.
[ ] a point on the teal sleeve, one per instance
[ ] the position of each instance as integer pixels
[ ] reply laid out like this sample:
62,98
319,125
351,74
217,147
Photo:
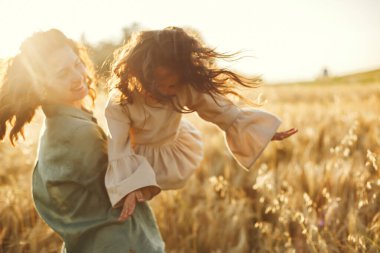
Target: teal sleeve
88,156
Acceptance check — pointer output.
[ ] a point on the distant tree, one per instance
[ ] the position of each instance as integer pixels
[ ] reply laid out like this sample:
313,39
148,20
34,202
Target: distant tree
101,53
325,73
128,30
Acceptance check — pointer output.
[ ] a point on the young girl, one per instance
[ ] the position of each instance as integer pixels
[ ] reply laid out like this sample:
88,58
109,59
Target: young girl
52,71
156,77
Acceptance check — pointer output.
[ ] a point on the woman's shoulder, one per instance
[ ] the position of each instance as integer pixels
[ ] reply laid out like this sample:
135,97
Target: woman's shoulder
70,127
75,136
86,134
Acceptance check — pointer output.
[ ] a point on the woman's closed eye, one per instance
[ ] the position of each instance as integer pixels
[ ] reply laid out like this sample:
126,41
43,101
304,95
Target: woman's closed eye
78,63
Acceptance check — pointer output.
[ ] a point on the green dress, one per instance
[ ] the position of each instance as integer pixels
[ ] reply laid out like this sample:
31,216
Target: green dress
69,191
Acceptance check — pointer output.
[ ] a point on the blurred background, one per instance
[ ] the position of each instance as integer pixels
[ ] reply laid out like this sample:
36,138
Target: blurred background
284,41
318,191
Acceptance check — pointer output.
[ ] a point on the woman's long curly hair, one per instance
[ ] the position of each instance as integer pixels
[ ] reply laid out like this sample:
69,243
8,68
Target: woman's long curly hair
22,82
135,62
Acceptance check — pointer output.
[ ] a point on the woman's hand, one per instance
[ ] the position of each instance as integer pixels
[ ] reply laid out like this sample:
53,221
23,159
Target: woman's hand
283,135
131,199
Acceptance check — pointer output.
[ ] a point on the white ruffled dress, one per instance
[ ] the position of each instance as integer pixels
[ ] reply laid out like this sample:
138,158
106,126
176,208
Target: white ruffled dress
151,145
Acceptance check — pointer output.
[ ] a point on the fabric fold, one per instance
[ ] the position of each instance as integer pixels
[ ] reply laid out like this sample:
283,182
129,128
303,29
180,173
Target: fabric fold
176,161
126,171
128,174
153,145
249,135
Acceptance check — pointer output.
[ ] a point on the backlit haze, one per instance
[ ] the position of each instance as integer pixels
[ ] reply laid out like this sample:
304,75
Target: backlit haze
286,40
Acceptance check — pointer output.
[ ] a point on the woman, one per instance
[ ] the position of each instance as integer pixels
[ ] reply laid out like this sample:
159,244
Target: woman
52,71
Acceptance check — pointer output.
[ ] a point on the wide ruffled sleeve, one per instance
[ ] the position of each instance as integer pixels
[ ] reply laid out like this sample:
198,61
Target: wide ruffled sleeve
126,171
248,131
249,134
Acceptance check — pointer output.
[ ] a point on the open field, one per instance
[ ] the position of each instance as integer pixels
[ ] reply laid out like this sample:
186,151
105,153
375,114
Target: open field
318,191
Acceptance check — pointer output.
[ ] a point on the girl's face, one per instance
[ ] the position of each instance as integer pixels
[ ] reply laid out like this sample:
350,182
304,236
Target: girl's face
65,82
167,80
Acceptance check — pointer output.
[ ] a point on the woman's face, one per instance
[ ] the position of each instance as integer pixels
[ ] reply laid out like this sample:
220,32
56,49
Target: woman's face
65,82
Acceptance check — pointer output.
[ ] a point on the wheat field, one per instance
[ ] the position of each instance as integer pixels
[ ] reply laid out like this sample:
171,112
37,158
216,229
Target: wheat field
318,191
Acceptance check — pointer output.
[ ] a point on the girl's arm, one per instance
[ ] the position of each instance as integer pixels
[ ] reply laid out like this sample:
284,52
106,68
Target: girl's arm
127,171
283,135
248,131
132,198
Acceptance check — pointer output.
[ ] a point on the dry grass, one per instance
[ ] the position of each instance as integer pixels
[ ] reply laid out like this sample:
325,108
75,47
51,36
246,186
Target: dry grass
316,192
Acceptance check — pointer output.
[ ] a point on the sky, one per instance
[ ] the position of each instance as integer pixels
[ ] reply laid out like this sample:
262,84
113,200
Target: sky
282,40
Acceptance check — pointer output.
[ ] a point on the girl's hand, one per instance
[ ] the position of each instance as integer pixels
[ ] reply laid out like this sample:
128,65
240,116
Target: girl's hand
130,204
131,199
283,135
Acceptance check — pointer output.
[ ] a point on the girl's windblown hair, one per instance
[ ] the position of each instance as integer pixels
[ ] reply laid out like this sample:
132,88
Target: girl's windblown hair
22,84
172,47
